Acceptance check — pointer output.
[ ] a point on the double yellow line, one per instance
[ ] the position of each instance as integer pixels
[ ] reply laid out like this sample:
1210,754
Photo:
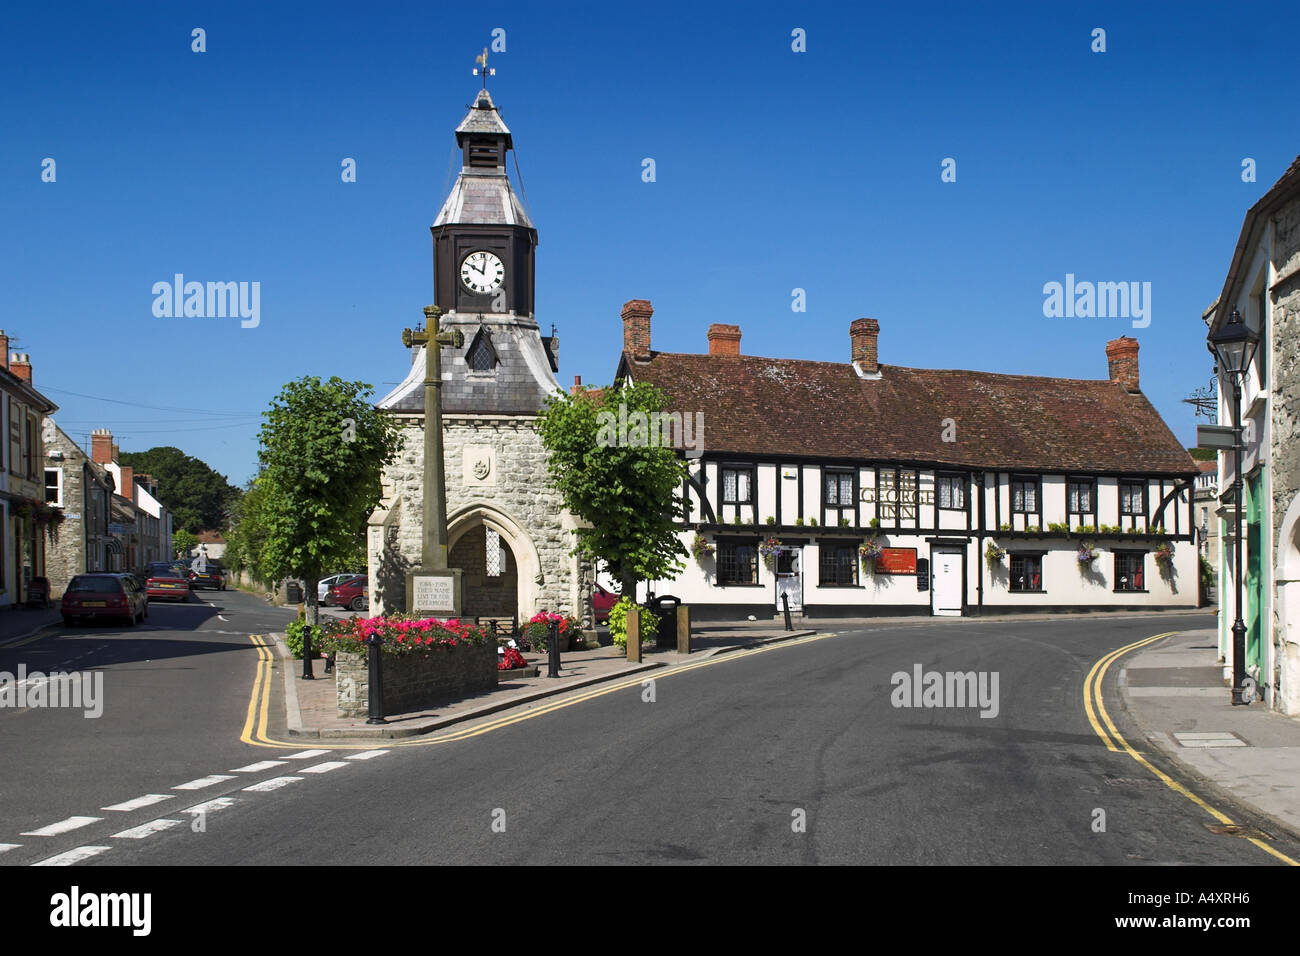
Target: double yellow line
1094,705
255,725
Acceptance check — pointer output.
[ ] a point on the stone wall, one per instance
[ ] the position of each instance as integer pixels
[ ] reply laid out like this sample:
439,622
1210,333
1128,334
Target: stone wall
1284,451
414,682
496,463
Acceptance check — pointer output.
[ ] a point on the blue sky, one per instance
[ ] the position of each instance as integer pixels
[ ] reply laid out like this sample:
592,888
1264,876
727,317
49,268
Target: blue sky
775,170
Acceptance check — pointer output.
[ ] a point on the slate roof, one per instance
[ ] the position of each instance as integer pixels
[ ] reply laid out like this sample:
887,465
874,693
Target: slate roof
483,117
764,406
482,196
518,385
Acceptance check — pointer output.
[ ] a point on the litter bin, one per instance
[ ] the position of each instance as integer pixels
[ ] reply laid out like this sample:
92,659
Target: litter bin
665,609
293,593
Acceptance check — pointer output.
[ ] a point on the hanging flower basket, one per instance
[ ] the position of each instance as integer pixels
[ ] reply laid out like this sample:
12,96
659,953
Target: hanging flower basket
702,548
869,553
1086,554
993,554
768,549
1164,555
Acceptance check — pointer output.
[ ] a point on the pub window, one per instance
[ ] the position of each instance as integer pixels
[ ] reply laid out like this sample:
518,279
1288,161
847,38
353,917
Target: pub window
952,492
1079,497
1024,495
737,563
1026,572
839,565
1132,498
737,486
1130,570
839,489
896,494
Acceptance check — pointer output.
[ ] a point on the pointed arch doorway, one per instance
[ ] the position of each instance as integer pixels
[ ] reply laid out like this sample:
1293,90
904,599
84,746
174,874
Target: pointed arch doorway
498,561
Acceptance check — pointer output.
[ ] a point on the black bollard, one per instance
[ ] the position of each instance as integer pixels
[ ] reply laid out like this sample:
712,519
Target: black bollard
307,653
375,696
553,649
785,604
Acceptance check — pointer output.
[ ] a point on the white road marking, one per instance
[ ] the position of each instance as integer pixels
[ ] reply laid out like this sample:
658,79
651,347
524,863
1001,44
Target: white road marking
63,826
368,754
74,856
204,782
274,783
325,767
260,765
148,829
148,800
212,806
307,754
6,847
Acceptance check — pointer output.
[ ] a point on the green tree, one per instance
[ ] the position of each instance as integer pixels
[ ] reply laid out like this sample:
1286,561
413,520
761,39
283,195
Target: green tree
322,453
627,491
184,542
247,532
198,497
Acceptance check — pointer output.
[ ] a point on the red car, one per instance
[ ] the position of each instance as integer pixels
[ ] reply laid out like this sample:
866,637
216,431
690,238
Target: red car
601,602
353,593
167,580
92,596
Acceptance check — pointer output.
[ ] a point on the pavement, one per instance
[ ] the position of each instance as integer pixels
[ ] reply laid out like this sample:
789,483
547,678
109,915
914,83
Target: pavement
311,709
1176,692
17,623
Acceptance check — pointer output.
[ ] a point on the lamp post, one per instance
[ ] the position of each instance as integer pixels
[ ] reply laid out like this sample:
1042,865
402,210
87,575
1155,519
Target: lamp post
1233,346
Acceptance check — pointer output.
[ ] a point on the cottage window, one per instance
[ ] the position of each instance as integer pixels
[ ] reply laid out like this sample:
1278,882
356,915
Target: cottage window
839,565
737,563
1026,572
54,487
1132,498
952,492
839,489
1130,570
1079,497
737,486
1024,496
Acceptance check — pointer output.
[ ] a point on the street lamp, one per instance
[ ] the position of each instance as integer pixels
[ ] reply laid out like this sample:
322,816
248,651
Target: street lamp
1233,346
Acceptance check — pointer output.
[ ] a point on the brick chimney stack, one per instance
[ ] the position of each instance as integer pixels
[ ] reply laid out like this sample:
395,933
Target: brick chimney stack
863,335
636,328
724,339
1122,360
4,347
128,483
101,446
21,365
576,387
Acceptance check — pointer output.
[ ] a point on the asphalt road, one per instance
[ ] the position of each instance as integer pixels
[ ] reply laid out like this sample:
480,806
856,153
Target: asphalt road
720,767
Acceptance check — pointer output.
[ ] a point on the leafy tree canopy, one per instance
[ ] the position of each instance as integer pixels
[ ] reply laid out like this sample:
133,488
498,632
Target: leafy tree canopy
323,451
184,541
628,492
198,497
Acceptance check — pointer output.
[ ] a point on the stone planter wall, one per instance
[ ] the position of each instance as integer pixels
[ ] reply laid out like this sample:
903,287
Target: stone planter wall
414,682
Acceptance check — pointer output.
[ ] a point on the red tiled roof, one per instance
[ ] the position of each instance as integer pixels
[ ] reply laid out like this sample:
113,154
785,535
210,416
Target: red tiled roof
763,406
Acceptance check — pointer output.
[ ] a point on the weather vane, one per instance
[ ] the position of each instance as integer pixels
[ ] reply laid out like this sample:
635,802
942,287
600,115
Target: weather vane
482,69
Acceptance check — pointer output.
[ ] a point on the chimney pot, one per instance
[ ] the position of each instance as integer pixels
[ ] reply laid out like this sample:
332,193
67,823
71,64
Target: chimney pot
636,328
724,339
21,365
101,446
863,338
1122,362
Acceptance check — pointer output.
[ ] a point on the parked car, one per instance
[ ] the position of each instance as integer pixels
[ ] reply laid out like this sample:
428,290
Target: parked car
94,596
213,577
353,593
167,580
323,585
601,602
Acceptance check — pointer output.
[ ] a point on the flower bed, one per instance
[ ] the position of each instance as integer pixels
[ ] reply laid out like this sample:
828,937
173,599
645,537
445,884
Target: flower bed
537,631
425,662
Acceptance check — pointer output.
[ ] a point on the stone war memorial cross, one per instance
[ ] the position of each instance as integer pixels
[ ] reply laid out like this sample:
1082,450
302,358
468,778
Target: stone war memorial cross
433,588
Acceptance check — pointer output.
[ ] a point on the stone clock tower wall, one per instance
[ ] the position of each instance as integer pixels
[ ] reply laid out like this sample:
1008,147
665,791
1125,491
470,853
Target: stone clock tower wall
492,390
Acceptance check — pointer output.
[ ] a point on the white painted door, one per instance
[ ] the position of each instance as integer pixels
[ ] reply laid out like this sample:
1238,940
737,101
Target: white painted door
789,579
946,591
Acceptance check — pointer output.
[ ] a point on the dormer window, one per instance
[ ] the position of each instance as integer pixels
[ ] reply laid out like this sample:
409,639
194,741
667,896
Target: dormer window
481,356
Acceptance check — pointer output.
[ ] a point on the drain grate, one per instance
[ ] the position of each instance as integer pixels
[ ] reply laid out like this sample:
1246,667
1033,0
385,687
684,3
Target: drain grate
1238,830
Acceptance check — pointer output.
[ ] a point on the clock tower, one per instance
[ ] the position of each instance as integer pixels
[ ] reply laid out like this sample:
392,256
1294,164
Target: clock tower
483,240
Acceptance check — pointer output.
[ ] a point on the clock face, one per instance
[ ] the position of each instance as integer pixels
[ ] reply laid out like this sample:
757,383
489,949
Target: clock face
482,271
